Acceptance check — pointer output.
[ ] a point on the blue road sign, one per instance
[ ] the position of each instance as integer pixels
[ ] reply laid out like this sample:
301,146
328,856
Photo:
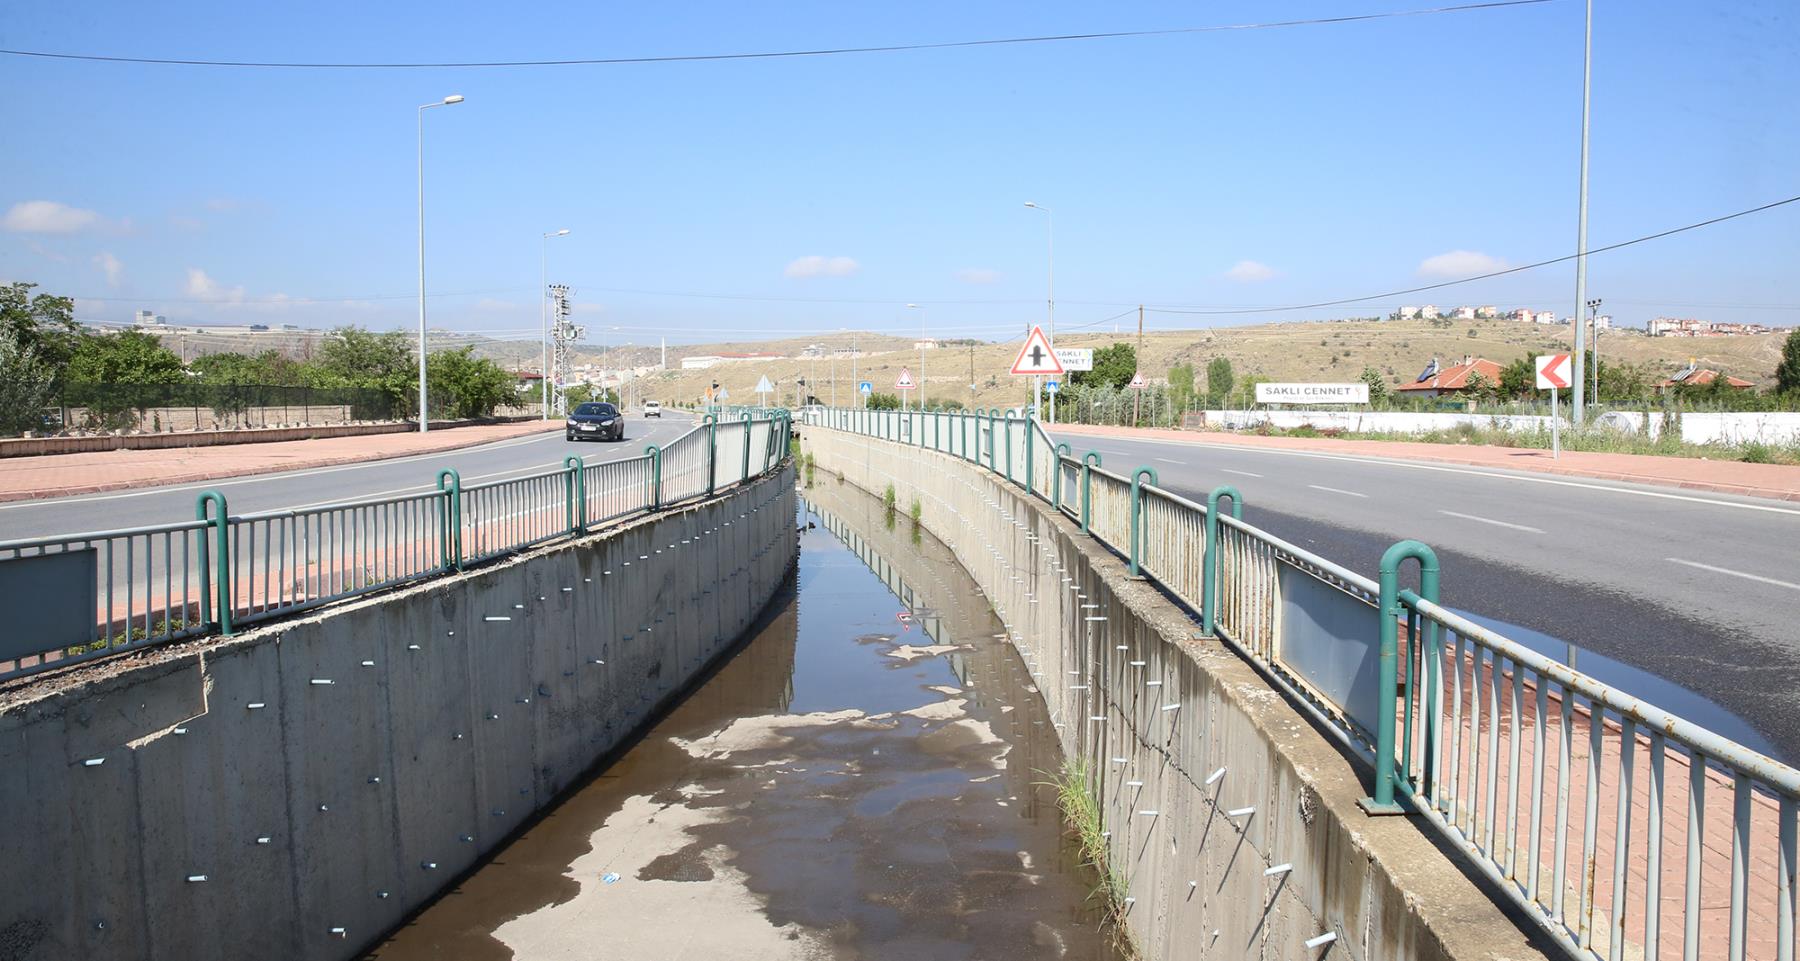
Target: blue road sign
1051,386
866,387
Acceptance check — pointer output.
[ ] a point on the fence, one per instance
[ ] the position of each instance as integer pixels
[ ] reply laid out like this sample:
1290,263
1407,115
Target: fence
194,406
1540,774
125,589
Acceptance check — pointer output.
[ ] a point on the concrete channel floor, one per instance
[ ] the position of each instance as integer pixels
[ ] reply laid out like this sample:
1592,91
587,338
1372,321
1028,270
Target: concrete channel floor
865,779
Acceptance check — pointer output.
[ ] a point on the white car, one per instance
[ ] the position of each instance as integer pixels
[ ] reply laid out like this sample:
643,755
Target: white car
653,408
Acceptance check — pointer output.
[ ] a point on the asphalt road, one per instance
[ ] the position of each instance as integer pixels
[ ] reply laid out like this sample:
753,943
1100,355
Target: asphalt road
1698,589
515,457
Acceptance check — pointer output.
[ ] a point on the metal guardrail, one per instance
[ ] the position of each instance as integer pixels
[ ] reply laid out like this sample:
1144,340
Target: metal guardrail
1489,742
219,572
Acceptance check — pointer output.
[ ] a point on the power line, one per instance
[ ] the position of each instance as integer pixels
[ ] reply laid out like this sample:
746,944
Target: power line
785,54
1492,274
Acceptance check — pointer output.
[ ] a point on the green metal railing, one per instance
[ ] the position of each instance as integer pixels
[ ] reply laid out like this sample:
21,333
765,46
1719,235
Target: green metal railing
1481,737
221,572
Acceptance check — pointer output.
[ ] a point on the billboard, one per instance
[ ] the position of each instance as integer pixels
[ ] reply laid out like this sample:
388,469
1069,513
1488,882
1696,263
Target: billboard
1076,358
1357,393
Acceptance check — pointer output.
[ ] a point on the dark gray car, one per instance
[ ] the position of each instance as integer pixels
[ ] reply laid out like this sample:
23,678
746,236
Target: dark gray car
595,419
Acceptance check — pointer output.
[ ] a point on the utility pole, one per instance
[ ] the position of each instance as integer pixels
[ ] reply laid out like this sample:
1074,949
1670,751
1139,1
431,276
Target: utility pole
1593,309
1587,84
1137,396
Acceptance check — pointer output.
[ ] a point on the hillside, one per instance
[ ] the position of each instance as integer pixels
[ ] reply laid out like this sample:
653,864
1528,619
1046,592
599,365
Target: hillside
1319,351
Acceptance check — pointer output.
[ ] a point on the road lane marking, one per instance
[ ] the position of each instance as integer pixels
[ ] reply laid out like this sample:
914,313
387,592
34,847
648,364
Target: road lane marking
1497,475
1244,473
1168,461
1335,490
1489,520
586,460
1726,570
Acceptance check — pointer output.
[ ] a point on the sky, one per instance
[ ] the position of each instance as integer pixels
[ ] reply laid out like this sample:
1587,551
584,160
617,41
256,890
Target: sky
1221,170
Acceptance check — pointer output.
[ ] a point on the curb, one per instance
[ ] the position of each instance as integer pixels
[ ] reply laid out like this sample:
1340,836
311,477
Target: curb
1200,440
8,496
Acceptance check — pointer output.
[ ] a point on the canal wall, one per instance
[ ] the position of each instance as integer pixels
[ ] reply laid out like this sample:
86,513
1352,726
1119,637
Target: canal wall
1233,824
298,790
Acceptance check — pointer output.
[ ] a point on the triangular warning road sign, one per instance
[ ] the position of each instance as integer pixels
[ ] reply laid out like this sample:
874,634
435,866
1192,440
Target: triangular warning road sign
1138,382
763,386
1037,358
905,382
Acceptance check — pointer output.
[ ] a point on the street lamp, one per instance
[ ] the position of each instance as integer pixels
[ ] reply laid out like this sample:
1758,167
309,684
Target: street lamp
1037,383
1593,308
1581,216
455,98
544,314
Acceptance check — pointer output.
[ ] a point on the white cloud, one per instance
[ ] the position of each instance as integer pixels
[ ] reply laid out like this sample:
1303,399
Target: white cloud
817,266
1250,272
1460,263
978,275
112,267
49,217
202,287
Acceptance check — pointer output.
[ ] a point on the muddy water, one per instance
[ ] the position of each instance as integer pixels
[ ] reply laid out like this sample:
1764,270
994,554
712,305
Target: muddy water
862,780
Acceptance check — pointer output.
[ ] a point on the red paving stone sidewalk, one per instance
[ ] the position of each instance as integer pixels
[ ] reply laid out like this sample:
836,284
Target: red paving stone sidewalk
1691,473
58,475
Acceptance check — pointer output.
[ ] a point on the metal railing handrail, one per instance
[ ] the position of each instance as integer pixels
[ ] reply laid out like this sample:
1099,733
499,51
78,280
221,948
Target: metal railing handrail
1447,661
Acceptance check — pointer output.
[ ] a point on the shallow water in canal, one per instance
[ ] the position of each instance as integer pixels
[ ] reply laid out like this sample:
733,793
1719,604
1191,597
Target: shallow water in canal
862,780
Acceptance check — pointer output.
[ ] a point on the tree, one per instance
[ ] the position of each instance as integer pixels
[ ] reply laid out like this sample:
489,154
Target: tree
27,384
583,393
355,357
1787,373
1519,378
127,357
271,368
44,324
1378,388
880,401
466,386
1219,380
1181,385
1114,366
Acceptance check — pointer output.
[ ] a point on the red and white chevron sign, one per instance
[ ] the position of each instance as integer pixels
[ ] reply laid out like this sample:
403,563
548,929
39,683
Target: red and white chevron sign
1552,371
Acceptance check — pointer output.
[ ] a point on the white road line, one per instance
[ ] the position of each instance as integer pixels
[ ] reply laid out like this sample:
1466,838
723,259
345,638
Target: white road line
1168,461
1489,520
420,488
1726,570
1522,476
1244,473
1335,490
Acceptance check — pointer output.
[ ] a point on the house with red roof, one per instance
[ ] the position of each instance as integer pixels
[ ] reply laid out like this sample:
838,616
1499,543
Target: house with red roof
1453,381
1694,375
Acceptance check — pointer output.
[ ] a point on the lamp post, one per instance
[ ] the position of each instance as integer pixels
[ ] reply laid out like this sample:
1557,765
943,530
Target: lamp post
1587,85
455,98
1593,309
544,315
1037,383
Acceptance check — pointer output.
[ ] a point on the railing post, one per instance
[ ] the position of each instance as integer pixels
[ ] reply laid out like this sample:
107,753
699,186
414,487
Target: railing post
1062,450
712,451
1137,515
1009,423
746,474
993,415
575,485
1388,695
450,519
1209,559
655,453
1029,466
220,561
1089,461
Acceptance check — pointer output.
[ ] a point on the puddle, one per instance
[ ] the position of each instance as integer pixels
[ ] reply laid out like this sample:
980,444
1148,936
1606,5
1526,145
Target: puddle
1663,693
860,782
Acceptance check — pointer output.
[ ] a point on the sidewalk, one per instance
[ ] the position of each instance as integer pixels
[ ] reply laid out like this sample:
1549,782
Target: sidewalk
1776,481
60,475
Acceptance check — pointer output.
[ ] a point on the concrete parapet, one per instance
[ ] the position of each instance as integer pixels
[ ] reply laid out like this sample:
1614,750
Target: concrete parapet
296,791
1232,821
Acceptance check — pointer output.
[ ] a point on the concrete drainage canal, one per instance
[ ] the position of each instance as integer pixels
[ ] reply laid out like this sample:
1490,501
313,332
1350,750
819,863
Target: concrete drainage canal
869,777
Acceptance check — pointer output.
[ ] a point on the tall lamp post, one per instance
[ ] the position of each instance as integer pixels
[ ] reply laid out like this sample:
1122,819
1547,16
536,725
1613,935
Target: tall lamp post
1037,383
1593,309
424,415
1587,86
544,314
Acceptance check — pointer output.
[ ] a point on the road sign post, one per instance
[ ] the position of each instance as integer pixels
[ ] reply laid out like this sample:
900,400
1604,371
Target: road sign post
1553,375
1051,387
1137,385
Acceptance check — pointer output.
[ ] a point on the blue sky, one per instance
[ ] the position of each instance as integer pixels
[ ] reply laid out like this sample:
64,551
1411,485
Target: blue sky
1243,168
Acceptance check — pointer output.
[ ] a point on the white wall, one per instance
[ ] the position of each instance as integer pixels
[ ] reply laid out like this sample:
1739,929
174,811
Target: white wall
1769,427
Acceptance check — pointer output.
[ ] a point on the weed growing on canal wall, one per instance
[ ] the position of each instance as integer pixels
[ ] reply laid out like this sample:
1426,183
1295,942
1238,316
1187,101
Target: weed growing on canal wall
808,464
888,499
918,511
1081,813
